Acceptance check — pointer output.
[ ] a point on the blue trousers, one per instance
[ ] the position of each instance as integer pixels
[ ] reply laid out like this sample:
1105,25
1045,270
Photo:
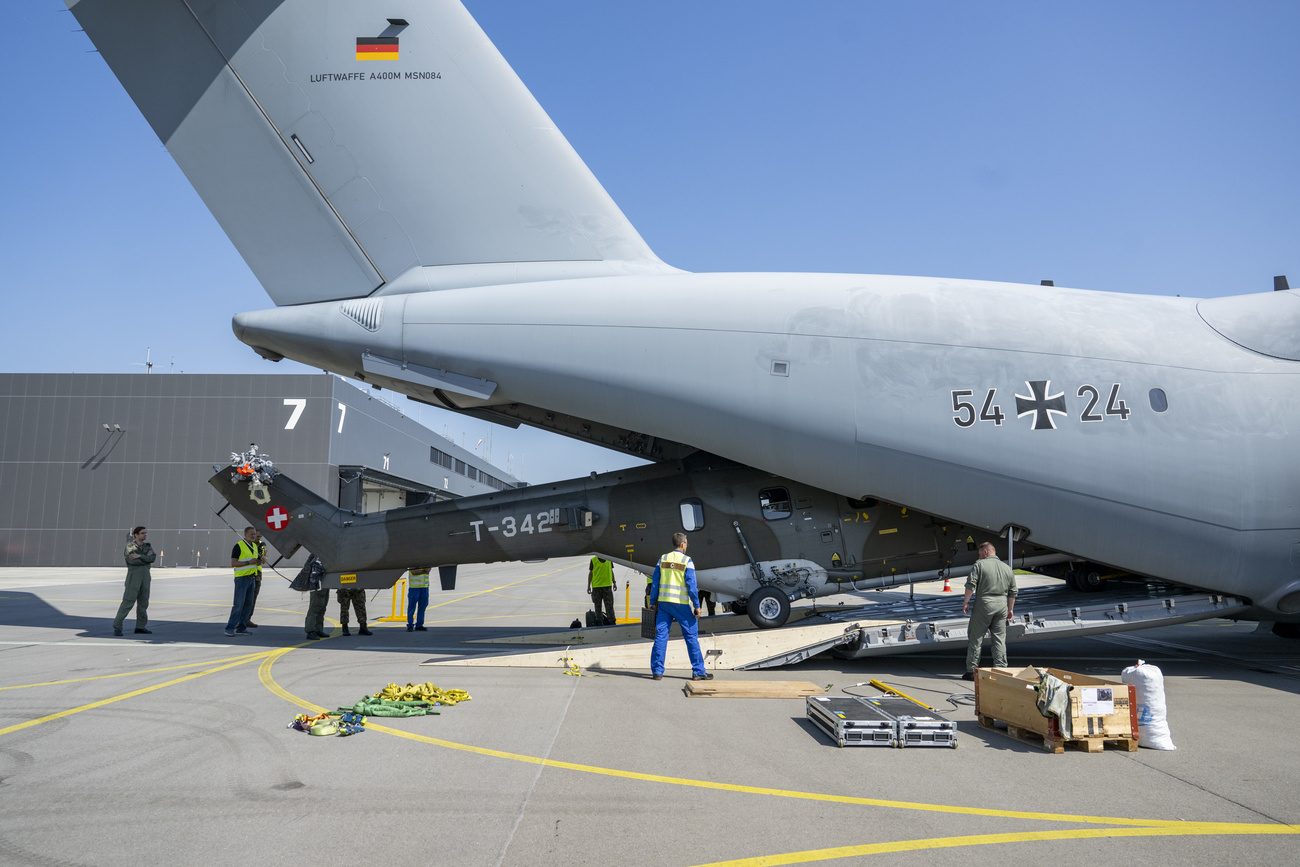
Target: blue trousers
685,616
242,611
417,599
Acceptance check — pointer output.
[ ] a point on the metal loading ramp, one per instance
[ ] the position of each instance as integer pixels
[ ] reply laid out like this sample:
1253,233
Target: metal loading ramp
885,628
1039,616
754,648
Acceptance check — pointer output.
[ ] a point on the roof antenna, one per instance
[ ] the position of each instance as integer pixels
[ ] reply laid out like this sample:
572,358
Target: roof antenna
1280,284
146,364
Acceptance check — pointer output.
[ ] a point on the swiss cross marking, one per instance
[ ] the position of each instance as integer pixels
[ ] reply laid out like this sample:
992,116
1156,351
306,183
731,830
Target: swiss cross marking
276,518
1041,404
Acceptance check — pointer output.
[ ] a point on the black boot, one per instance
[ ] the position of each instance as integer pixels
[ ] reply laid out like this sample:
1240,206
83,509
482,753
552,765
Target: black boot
345,629
364,631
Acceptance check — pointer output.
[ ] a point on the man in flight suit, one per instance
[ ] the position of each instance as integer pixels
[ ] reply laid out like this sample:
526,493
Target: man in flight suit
139,554
993,585
672,588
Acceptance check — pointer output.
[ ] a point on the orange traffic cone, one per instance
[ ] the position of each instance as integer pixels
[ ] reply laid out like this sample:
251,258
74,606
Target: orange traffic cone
947,585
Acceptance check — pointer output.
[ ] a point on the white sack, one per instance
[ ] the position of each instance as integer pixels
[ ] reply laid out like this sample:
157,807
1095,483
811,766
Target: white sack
1149,682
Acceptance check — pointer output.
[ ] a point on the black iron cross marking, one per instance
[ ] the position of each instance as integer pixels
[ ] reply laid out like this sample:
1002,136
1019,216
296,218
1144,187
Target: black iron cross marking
1041,404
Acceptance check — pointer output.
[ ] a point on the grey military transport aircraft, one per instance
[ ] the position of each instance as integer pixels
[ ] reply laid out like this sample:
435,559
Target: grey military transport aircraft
422,225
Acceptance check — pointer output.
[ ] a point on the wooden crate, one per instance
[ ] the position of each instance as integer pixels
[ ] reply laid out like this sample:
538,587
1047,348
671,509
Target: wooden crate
1008,695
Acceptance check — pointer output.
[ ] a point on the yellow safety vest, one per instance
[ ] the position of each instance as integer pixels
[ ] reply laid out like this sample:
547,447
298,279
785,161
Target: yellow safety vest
602,572
247,552
672,578
261,551
419,578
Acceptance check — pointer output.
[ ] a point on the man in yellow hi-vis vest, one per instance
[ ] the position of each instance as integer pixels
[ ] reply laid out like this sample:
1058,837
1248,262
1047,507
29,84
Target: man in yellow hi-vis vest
672,590
417,597
600,587
246,559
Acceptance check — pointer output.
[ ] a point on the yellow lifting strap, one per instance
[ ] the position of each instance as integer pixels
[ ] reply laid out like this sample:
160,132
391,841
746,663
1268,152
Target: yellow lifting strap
422,692
884,687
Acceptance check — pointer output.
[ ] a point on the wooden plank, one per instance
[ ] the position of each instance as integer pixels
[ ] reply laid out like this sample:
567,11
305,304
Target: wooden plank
751,688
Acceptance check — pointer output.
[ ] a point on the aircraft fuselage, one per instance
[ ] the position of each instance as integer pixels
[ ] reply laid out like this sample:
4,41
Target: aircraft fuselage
1117,428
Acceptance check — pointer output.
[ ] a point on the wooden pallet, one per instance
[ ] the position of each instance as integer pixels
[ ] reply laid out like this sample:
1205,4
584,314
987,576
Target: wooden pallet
751,689
1037,739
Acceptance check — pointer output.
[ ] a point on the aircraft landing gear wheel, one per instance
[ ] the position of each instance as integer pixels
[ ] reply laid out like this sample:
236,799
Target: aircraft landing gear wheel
1286,630
1089,581
768,608
1072,580
737,607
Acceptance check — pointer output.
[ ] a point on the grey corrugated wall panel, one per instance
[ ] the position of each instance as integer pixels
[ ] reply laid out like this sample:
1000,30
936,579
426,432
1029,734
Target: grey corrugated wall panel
69,491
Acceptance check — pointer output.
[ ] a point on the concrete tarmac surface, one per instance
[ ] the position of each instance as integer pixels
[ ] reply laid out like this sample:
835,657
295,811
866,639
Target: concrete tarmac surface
172,748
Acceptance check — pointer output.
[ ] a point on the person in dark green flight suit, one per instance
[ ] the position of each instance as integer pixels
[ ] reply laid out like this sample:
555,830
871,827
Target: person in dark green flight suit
993,584
139,555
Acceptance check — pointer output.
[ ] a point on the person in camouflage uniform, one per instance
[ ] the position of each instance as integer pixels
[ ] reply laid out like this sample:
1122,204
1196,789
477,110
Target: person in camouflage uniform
139,555
357,597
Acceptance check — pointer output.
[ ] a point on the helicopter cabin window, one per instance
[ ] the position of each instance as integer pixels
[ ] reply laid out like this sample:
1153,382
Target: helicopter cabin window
775,503
692,515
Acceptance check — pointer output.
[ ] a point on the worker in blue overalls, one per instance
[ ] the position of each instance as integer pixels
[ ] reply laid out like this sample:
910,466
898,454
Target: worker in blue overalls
417,597
674,597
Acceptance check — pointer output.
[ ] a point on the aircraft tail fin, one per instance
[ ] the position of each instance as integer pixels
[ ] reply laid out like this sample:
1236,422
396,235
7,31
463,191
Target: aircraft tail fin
289,516
340,149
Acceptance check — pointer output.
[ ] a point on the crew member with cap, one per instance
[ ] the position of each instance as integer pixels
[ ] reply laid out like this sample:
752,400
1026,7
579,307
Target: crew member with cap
672,588
417,597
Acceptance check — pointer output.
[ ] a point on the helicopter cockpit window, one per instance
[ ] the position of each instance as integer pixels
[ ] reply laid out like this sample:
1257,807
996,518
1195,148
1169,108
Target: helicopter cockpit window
775,503
692,515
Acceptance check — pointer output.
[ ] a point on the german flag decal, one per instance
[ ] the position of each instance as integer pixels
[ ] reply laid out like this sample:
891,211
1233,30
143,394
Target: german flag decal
377,48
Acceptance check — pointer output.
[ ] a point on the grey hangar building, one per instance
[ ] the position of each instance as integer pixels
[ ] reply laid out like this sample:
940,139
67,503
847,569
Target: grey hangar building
85,457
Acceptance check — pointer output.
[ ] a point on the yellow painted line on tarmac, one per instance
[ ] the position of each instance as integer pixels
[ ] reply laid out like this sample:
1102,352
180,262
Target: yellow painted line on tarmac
107,701
264,674
500,587
1128,827
499,617
148,689
248,657
1185,829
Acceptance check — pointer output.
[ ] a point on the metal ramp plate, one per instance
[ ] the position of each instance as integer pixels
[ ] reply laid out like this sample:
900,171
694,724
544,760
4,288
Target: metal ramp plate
851,722
1038,616
755,648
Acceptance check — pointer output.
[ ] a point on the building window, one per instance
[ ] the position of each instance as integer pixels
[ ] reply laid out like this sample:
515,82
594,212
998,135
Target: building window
775,503
692,515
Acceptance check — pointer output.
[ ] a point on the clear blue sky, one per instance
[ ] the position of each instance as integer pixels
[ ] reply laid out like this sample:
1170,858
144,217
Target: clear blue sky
1130,147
